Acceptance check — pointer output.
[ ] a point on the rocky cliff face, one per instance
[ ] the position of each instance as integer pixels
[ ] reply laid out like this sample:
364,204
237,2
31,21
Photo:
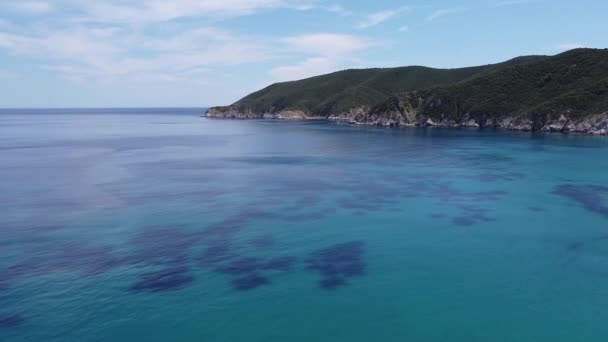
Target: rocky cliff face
243,114
412,111
595,125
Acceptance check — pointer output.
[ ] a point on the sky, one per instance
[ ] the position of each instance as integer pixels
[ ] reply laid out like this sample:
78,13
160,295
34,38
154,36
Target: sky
198,53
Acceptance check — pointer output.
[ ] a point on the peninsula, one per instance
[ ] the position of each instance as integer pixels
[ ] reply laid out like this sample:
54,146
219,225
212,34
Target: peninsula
565,93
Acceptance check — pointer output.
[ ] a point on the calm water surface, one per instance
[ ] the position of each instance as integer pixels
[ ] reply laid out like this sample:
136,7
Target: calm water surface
158,225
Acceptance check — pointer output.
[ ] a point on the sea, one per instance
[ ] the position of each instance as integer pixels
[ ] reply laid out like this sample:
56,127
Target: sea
161,225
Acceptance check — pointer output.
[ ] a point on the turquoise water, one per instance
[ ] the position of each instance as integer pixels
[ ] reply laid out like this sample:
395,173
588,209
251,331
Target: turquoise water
159,225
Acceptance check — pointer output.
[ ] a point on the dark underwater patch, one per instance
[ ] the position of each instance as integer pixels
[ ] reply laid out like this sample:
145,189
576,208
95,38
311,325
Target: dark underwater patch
163,245
168,279
312,216
332,283
472,215
241,266
536,209
247,271
283,264
29,267
8,321
83,258
338,263
215,254
590,197
576,246
463,221
72,257
484,196
249,282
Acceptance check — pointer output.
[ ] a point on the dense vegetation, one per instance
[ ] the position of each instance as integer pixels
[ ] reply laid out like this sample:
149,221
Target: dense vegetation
574,83
341,91
567,92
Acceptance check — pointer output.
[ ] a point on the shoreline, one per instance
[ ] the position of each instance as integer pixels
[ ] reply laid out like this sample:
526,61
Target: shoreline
562,126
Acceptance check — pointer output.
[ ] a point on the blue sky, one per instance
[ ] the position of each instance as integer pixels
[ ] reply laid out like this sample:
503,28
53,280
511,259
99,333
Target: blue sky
112,53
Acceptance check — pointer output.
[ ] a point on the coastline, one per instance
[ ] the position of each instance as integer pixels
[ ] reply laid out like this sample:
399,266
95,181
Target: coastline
594,125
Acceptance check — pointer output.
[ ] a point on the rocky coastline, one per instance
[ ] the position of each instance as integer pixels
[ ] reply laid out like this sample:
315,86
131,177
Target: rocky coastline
589,125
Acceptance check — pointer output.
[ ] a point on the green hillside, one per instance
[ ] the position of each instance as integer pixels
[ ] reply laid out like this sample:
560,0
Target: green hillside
567,92
341,91
573,84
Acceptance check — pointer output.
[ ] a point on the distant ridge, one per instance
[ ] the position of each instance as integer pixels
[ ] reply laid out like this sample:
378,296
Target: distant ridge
566,93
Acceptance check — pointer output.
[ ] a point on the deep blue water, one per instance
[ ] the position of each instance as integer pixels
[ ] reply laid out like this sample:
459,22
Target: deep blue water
159,225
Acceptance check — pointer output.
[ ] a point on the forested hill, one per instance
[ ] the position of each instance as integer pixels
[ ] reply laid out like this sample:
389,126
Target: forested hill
559,92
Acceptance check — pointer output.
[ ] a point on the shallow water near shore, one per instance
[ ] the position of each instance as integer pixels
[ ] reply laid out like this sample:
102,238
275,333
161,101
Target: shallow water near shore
160,225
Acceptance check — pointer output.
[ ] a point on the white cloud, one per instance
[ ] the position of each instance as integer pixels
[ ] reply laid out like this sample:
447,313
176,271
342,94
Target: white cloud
117,45
32,7
380,17
310,67
443,12
569,46
107,54
338,9
302,6
404,28
137,12
82,44
327,44
189,40
329,52
110,42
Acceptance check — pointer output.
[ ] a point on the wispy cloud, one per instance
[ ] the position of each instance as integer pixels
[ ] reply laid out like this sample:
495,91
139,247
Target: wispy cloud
32,7
138,12
329,52
444,12
338,9
328,44
117,41
118,45
404,28
107,54
313,66
380,17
